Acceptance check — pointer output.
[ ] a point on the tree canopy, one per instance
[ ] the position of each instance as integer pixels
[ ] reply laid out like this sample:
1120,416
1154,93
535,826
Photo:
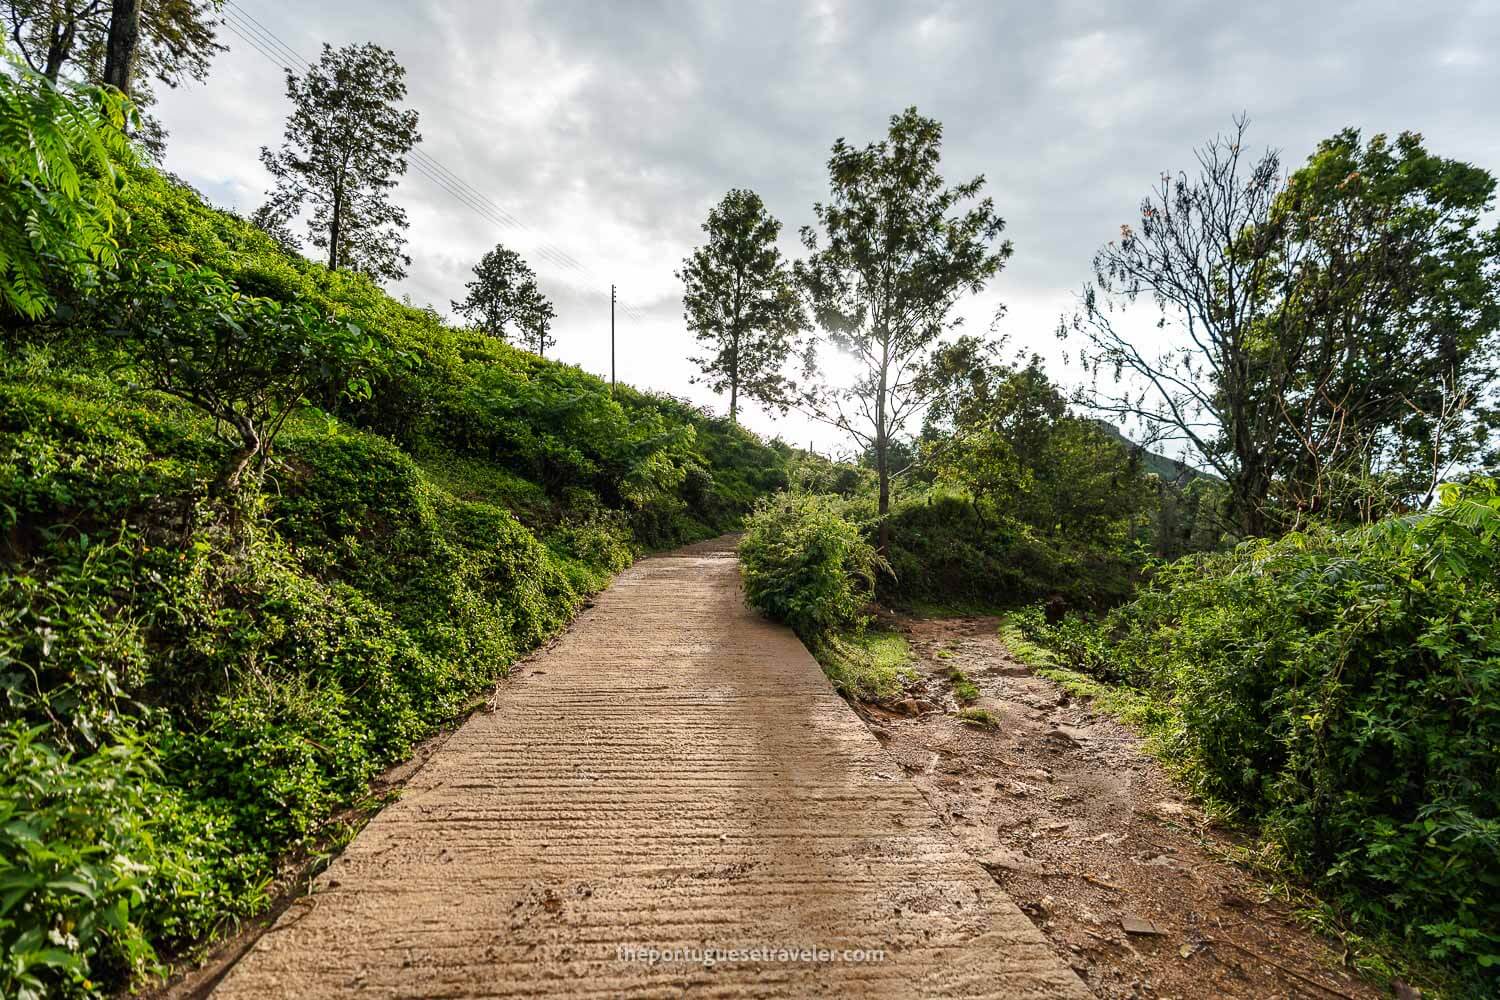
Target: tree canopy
343,149
1004,433
892,252
176,41
504,300
1327,331
740,300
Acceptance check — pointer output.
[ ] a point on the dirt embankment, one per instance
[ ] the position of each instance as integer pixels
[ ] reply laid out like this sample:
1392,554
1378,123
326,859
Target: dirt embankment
1090,838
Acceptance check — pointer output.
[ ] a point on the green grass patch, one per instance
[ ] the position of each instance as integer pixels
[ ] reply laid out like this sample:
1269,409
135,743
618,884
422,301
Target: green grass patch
981,718
1153,718
965,692
867,666
474,479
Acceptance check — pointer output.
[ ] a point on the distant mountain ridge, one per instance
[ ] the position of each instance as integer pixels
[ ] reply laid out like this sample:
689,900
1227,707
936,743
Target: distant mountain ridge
1170,470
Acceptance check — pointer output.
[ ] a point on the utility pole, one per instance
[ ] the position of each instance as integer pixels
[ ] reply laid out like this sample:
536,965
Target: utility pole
611,340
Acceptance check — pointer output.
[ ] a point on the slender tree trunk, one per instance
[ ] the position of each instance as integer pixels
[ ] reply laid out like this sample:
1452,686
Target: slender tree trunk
124,34
734,359
334,231
250,442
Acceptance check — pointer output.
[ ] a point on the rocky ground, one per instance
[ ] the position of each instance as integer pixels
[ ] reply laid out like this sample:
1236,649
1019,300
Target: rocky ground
1090,838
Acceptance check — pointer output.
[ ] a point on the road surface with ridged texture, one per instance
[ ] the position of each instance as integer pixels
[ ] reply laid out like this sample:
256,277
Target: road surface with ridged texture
675,774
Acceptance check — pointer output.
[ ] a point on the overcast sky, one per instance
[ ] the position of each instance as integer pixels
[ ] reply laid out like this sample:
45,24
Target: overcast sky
609,128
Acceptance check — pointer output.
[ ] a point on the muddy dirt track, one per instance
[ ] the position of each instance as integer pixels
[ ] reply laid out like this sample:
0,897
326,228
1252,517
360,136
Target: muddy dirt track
675,774
1089,836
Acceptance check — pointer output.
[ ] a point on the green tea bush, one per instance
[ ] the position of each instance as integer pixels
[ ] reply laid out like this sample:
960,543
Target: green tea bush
77,858
247,362
1342,691
805,563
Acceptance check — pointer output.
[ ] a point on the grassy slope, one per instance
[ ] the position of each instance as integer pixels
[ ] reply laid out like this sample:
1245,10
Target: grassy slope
218,677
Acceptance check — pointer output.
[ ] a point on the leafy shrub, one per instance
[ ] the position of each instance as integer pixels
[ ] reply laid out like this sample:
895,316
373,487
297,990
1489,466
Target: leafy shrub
456,397
1075,640
59,219
1341,690
947,548
76,860
806,564
245,361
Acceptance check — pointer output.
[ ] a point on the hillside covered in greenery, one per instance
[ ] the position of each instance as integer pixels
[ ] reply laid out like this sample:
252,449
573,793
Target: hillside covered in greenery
262,528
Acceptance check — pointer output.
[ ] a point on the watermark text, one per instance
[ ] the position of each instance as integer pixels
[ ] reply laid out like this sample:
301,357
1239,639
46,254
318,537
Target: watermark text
710,955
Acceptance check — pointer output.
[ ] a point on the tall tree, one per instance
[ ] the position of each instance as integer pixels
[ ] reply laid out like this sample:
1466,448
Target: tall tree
740,300
536,326
120,46
504,300
344,148
174,40
1317,326
896,252
1395,307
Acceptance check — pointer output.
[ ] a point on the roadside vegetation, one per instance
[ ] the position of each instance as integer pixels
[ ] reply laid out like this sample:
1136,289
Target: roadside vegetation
1337,690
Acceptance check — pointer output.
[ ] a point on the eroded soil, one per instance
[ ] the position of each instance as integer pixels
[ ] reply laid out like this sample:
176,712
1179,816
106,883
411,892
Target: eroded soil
1090,838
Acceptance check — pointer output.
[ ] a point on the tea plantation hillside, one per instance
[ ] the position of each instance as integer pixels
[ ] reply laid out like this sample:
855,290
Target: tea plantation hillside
206,654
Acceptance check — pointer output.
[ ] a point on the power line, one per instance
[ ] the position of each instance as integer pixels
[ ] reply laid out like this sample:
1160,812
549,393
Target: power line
273,40
272,47
277,53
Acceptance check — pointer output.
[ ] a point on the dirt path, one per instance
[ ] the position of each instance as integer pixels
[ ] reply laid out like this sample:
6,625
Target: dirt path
676,773
1086,833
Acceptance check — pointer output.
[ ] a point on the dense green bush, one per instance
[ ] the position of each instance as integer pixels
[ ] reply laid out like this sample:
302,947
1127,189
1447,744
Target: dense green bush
75,857
247,362
950,549
1340,689
806,563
